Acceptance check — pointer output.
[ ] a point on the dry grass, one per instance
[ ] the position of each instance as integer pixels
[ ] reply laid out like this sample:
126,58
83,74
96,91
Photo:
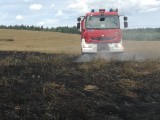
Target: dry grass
53,42
147,48
50,42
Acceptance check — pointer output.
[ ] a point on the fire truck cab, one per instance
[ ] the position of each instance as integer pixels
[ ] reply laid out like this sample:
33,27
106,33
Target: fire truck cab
100,31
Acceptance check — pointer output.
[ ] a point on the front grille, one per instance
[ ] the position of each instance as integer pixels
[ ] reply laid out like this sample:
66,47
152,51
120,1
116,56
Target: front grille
103,38
102,47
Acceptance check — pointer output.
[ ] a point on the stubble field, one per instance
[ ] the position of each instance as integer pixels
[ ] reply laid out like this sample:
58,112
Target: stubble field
52,42
41,79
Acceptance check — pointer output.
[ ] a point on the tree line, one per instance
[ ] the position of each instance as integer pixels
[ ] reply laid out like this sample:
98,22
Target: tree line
65,29
150,34
128,34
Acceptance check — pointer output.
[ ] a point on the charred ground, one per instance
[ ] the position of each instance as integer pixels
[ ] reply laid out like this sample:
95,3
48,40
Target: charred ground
55,86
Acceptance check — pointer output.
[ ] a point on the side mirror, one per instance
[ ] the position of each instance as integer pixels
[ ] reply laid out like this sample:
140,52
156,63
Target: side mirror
79,19
78,25
125,18
125,24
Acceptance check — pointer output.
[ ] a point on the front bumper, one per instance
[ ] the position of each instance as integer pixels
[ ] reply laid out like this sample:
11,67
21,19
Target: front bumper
101,47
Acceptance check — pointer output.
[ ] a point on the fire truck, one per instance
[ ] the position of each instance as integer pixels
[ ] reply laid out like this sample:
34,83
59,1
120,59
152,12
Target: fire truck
100,31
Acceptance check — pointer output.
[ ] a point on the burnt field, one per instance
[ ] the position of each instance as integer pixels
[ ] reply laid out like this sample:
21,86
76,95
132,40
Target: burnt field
56,87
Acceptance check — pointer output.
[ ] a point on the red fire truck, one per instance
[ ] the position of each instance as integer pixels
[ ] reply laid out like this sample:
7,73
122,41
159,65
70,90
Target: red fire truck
100,31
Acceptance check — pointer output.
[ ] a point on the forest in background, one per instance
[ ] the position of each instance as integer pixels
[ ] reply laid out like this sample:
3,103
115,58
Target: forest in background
149,34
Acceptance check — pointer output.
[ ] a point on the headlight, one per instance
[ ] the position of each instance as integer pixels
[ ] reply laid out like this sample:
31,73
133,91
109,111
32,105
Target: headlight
117,45
87,46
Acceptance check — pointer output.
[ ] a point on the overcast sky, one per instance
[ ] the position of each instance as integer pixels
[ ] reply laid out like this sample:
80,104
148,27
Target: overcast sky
53,13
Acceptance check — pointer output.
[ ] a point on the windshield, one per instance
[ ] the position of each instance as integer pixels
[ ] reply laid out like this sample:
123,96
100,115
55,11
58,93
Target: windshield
102,22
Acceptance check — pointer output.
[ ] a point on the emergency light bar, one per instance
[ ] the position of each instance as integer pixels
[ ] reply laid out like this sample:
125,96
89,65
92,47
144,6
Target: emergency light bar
92,10
113,10
102,10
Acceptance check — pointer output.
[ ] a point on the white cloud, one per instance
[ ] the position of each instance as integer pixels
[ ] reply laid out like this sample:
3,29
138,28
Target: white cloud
149,6
35,7
149,10
65,12
136,6
80,6
19,17
125,7
149,3
59,13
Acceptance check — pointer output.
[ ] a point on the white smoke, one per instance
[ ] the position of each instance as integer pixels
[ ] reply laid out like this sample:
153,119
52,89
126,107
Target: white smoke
126,56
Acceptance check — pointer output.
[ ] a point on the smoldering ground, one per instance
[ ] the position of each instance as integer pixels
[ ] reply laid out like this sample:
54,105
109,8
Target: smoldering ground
125,56
55,87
